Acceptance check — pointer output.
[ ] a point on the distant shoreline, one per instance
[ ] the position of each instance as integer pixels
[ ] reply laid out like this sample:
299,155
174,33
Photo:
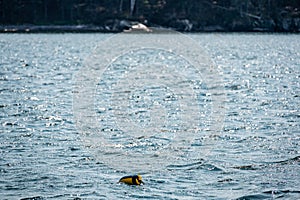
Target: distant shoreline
103,29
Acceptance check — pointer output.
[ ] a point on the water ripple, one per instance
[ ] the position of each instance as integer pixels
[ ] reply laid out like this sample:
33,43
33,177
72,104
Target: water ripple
256,155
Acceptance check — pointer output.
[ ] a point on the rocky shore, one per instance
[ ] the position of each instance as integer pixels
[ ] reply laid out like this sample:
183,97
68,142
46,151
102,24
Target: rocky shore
288,25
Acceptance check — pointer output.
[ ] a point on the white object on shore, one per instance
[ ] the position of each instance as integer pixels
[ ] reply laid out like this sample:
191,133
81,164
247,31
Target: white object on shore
138,27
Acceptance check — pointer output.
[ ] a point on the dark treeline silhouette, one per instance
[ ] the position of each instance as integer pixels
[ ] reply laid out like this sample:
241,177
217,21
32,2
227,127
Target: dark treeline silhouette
185,15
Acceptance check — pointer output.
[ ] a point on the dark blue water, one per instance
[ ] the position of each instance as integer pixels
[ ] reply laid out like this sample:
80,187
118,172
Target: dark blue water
255,155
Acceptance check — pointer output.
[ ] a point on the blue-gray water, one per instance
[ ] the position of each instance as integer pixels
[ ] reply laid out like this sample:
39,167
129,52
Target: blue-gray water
255,156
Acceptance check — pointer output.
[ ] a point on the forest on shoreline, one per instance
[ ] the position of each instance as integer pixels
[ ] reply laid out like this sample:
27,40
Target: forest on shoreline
180,15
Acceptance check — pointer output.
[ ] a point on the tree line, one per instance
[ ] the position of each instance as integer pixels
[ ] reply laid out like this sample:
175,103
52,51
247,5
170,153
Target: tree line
199,13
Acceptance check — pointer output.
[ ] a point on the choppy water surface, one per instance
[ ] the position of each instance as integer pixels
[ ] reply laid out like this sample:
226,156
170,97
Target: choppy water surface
255,155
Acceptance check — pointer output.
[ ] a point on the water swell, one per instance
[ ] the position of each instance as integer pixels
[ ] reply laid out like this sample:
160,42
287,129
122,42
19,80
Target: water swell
272,194
199,165
290,161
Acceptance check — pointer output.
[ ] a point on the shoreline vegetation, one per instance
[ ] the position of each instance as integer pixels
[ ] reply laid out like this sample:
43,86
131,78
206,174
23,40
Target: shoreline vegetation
112,16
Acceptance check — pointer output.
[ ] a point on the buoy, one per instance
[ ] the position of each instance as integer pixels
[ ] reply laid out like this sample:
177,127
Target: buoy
132,180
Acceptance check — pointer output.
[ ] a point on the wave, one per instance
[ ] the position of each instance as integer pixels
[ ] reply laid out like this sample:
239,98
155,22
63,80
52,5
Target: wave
256,167
272,194
194,166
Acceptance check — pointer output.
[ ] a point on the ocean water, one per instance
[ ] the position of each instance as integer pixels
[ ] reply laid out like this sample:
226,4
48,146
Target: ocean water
73,121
